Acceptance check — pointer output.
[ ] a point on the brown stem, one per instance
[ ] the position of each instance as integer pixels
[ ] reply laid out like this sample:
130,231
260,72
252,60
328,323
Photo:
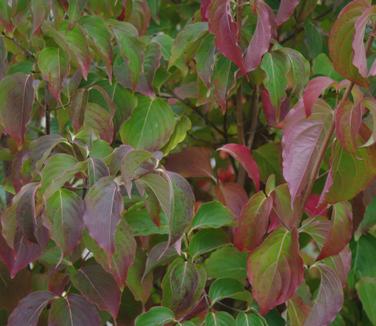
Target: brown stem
254,117
240,129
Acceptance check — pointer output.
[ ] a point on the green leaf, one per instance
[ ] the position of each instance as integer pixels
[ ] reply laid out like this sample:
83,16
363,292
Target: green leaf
313,39
182,286
275,66
141,223
54,66
250,319
157,316
150,126
205,241
228,288
366,289
212,215
219,318
227,262
269,160
324,67
369,218
180,132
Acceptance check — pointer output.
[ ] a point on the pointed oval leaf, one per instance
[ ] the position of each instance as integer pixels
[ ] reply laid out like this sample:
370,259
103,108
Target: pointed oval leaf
103,206
212,215
275,269
150,126
219,318
29,309
98,287
285,10
96,169
227,288
64,210
253,222
157,316
16,100
366,289
313,90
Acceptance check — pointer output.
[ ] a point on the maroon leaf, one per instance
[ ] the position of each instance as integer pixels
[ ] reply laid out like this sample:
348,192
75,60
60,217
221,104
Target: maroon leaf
348,120
272,112
282,207
275,269
313,90
16,100
253,222
25,210
360,56
29,309
75,309
329,298
233,196
242,154
96,169
340,232
262,36
340,263
226,32
191,162
98,287
285,10
204,9
104,204
302,141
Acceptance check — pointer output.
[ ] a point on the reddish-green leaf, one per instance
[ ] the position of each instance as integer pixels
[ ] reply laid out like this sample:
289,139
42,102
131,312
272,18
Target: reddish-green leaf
54,66
96,169
340,232
64,210
329,298
341,39
285,10
16,100
253,222
233,196
242,154
98,287
29,309
99,120
302,142
313,90
73,310
275,269
103,206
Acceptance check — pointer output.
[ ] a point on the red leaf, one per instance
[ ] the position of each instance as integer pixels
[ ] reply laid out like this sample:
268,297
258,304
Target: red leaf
98,287
301,143
348,120
226,31
360,56
204,9
270,111
253,222
285,10
262,36
104,205
275,269
313,90
29,309
243,155
329,299
340,232
313,208
233,196
191,162
16,101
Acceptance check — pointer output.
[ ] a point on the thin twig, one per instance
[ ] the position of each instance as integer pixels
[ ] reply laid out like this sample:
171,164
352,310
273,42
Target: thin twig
254,117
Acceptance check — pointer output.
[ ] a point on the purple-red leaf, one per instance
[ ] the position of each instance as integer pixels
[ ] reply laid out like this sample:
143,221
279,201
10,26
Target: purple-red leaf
329,299
29,309
233,196
226,31
204,9
75,309
16,100
340,232
275,269
98,287
360,56
313,90
104,205
348,120
253,222
243,155
302,142
262,36
285,10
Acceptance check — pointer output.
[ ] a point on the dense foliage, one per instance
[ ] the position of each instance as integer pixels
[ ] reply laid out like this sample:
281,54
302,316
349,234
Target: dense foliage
180,162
